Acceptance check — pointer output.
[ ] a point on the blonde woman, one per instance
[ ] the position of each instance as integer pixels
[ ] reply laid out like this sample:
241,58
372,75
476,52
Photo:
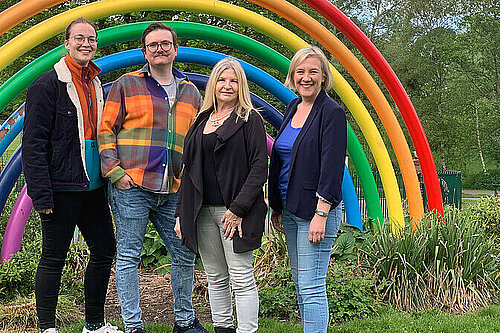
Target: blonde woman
305,178
221,208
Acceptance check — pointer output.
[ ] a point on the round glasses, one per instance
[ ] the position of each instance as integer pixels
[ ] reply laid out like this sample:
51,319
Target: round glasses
79,39
153,47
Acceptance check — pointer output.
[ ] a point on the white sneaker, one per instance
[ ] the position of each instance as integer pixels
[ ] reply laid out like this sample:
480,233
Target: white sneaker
108,328
50,330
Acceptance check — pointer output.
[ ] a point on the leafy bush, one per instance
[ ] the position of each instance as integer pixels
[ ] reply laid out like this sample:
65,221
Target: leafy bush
350,290
277,297
350,239
482,180
487,212
154,254
450,265
17,275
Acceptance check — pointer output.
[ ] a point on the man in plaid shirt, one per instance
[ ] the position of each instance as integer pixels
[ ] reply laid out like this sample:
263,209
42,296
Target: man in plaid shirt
147,114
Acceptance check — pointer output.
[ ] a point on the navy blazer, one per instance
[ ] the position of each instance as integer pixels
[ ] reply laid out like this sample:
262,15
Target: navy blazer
317,160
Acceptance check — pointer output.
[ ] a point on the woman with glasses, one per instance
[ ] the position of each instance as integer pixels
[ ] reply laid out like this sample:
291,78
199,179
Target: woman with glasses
221,208
305,178
61,167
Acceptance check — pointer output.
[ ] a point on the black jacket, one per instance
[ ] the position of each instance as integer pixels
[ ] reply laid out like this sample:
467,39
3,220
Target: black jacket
317,161
53,146
241,166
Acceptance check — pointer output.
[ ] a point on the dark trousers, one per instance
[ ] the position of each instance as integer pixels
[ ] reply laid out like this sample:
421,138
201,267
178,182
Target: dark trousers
89,211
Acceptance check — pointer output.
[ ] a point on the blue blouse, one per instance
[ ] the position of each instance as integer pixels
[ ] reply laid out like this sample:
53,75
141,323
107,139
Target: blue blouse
283,147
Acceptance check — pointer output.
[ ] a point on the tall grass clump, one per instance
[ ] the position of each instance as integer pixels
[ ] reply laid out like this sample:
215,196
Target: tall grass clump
450,264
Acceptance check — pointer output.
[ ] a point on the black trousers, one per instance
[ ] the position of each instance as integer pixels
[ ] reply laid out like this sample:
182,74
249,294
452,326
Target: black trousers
89,211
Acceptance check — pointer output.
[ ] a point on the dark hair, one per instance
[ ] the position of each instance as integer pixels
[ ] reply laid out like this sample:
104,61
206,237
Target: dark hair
79,20
158,26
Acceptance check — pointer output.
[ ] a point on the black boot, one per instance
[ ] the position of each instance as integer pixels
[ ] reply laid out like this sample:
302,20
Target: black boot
225,330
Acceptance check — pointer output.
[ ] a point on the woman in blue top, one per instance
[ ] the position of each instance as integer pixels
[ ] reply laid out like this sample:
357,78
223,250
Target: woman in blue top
305,177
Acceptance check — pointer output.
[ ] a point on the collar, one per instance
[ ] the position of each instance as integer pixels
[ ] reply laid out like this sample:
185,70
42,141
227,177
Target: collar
177,73
78,71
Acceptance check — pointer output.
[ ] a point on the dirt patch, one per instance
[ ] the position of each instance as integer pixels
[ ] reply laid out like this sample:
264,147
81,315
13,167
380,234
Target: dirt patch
157,301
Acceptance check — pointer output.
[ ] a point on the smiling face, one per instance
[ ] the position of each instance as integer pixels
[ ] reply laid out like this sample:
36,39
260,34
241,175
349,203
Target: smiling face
84,52
160,57
226,88
308,78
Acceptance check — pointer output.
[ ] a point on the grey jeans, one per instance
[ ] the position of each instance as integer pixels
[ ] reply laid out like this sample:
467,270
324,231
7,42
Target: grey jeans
227,270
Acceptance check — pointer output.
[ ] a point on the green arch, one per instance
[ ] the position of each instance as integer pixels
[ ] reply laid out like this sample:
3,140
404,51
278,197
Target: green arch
23,78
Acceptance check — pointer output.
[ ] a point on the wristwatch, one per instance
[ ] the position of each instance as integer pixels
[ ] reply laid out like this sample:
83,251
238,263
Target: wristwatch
321,213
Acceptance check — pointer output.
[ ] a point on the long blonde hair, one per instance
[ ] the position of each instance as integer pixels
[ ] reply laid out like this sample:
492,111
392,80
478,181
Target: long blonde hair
244,104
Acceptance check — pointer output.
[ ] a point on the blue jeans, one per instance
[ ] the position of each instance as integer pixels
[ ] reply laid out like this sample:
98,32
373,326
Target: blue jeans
309,263
132,209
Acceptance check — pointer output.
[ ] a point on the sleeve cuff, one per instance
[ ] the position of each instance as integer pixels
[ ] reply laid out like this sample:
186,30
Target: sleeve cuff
117,174
237,210
322,199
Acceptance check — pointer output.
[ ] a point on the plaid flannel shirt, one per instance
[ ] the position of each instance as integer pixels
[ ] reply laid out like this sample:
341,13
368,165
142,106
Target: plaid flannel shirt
140,134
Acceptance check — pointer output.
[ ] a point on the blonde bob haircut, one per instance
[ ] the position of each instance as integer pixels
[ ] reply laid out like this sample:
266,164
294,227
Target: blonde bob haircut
244,104
301,55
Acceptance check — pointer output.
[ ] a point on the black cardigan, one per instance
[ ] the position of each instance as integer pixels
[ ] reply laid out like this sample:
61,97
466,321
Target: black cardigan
241,166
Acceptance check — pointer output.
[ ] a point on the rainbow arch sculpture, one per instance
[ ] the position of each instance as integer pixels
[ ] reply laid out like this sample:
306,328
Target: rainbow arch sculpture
24,42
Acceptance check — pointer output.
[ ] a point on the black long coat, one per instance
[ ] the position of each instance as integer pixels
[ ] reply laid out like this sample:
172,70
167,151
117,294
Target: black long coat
240,156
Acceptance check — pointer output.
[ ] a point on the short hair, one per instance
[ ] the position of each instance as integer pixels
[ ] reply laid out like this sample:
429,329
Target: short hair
76,21
158,26
310,52
244,105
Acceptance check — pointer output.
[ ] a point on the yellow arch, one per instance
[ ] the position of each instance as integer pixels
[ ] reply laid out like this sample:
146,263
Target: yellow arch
22,43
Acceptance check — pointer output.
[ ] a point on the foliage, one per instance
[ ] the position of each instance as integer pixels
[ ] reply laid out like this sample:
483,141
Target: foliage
351,290
277,296
486,212
447,264
481,180
348,243
17,275
21,314
154,254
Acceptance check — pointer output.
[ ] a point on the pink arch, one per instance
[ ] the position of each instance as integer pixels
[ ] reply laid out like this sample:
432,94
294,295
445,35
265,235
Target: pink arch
16,225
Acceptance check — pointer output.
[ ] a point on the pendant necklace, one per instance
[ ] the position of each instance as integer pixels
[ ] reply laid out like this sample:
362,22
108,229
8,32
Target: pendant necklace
218,121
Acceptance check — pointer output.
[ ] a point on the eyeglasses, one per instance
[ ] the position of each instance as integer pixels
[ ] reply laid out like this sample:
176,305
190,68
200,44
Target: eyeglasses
153,47
79,39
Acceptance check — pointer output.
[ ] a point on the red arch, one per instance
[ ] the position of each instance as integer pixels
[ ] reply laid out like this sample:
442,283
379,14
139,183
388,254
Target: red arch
397,91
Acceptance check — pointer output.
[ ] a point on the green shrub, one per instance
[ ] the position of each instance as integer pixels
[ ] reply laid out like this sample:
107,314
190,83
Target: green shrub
17,275
154,254
350,239
448,264
486,212
481,180
351,290
277,297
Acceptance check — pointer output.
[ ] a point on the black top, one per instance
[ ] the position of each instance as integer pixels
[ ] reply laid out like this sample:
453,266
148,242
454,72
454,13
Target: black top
240,155
211,188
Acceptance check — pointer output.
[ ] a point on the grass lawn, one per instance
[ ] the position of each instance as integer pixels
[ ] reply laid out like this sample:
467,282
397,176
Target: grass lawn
484,321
